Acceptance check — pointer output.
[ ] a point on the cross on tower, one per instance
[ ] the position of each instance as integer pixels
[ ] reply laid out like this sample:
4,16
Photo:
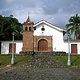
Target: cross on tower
28,14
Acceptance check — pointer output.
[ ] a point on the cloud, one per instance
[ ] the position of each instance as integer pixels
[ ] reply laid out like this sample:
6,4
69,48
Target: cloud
67,6
50,9
56,12
6,12
71,7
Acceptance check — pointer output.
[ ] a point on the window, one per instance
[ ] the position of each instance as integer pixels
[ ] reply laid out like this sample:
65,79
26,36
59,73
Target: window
26,28
34,28
28,22
43,29
29,28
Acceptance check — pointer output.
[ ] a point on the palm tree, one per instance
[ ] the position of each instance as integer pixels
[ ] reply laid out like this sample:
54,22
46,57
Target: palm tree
74,25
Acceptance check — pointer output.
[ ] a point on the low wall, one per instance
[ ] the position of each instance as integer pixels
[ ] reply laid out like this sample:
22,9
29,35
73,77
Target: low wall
44,53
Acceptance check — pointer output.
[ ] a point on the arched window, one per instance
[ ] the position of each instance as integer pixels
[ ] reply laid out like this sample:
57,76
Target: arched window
28,22
29,28
26,28
34,28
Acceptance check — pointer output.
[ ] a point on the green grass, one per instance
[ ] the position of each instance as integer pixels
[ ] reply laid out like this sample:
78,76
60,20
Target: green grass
75,60
6,60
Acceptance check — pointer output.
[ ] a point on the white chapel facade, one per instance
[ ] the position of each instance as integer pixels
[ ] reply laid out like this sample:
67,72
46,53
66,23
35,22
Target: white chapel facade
42,36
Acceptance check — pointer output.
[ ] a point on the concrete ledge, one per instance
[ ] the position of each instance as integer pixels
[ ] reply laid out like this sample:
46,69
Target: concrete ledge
43,52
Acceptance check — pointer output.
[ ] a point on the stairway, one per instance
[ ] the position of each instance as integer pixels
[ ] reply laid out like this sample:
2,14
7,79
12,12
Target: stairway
41,60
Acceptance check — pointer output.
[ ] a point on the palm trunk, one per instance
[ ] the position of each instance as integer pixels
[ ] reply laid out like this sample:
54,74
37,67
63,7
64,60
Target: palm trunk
76,34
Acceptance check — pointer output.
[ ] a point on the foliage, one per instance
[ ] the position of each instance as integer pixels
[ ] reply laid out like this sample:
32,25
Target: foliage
7,26
74,25
75,60
6,60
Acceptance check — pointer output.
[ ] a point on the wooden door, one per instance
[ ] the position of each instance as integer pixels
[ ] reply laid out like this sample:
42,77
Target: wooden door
10,48
42,45
73,48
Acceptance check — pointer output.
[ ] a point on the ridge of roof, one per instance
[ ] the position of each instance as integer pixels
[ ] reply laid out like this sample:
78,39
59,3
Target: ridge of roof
50,24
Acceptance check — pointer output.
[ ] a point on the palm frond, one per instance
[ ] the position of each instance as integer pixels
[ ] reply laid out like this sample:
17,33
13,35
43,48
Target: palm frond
72,29
69,25
74,25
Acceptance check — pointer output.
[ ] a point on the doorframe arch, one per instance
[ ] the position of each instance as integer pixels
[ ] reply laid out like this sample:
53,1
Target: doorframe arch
40,39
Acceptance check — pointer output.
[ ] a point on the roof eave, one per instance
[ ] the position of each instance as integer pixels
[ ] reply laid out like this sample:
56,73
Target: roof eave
43,21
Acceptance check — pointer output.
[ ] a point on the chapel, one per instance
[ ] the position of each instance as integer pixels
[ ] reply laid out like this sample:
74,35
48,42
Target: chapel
38,37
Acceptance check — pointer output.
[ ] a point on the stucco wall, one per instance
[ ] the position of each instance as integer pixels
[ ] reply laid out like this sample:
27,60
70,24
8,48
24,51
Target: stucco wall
5,46
57,36
71,42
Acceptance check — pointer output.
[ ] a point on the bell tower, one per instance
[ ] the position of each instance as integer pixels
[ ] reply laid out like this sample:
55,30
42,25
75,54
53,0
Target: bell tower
28,35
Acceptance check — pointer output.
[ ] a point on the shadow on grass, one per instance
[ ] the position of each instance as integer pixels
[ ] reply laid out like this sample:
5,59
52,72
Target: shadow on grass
72,63
17,62
0,64
20,61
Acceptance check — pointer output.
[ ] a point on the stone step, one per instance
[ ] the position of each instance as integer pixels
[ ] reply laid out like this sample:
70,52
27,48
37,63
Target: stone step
42,61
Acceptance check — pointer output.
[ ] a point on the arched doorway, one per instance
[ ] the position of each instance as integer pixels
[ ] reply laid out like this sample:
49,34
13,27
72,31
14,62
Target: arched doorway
42,45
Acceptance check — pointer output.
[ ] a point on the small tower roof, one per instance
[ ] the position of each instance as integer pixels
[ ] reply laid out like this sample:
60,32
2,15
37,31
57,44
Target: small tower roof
28,21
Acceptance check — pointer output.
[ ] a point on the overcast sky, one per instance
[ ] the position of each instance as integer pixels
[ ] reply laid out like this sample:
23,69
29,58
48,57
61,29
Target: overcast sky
56,12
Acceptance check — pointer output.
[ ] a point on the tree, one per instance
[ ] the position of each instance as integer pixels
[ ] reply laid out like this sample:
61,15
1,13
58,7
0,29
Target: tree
74,25
7,26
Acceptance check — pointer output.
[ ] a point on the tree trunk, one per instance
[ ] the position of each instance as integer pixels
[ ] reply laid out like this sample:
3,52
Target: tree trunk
76,34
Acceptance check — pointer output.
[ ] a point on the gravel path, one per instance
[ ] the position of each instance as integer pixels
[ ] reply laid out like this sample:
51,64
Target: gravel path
11,73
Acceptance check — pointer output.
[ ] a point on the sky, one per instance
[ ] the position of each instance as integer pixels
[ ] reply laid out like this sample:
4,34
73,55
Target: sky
56,12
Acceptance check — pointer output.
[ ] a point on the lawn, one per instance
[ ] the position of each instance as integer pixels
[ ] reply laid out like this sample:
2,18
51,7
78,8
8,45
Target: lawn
6,60
75,60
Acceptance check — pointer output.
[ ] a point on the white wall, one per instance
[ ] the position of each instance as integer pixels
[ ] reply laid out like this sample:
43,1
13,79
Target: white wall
19,46
71,42
51,31
5,46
